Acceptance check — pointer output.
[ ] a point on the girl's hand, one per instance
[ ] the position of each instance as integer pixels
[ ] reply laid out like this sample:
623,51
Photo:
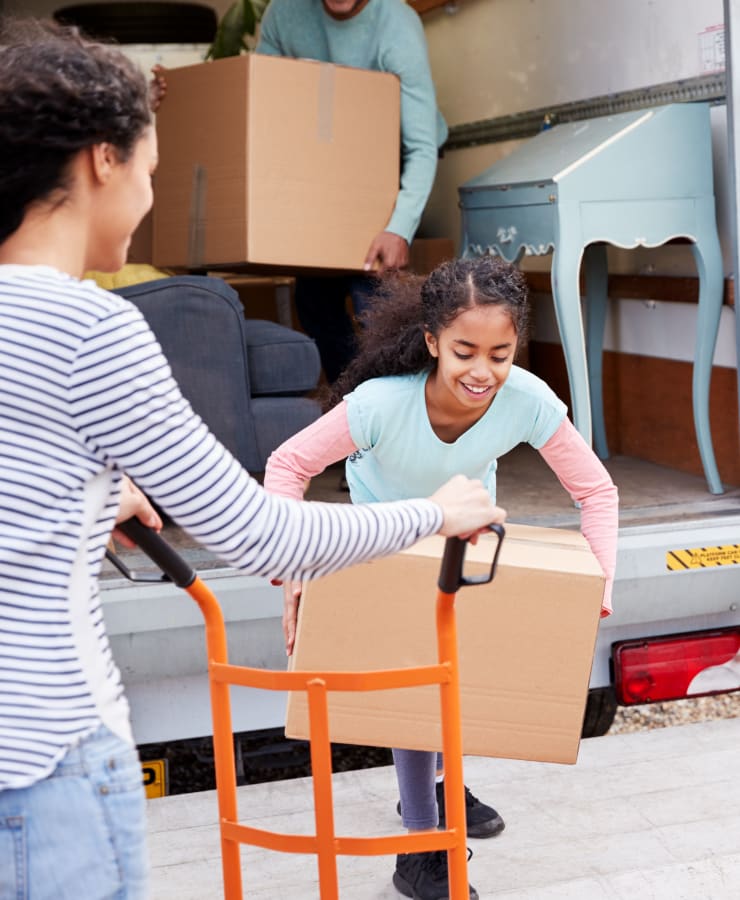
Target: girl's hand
134,503
291,600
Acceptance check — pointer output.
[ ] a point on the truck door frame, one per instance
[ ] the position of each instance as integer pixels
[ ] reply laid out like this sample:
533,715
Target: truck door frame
732,52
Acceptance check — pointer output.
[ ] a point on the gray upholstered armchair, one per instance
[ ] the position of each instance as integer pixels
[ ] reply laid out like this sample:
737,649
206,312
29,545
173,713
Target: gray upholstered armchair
246,378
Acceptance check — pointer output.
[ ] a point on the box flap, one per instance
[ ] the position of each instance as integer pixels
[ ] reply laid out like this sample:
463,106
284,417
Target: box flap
527,546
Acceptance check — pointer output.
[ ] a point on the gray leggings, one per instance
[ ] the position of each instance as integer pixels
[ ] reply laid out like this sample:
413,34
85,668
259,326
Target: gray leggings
416,771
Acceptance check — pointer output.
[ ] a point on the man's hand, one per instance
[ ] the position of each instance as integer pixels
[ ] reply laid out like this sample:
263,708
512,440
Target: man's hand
157,87
467,507
134,503
387,251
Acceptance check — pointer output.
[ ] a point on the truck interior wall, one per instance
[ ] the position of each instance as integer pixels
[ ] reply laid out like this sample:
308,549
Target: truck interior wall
493,57
647,408
34,7
496,59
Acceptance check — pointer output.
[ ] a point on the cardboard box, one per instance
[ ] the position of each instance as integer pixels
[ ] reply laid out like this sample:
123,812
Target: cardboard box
274,161
526,645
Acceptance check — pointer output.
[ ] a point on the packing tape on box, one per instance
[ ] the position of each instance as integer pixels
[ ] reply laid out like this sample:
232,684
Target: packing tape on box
325,118
197,218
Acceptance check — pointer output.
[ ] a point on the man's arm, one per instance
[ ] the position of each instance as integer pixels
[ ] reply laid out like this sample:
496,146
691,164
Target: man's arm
406,56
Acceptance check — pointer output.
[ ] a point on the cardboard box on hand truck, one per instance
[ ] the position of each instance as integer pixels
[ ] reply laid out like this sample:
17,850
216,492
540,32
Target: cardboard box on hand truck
526,642
274,161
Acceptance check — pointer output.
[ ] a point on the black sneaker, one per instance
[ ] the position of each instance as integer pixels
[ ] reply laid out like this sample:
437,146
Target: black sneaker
423,876
481,821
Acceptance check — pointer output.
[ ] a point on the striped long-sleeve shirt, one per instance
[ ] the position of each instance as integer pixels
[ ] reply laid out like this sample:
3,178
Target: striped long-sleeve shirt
85,393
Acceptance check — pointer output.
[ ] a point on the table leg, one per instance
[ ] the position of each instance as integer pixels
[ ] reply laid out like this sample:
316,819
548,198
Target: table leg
596,270
708,259
566,262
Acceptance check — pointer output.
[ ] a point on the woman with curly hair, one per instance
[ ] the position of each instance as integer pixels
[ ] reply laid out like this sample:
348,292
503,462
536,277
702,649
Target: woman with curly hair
86,395
434,390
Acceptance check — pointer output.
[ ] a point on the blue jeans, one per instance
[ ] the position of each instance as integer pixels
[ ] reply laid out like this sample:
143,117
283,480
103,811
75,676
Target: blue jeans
80,833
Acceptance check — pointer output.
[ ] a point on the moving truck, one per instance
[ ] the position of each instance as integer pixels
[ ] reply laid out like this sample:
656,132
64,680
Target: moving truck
504,71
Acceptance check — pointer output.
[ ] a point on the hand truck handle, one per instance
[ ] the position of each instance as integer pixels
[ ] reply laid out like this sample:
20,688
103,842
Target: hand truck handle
173,566
451,577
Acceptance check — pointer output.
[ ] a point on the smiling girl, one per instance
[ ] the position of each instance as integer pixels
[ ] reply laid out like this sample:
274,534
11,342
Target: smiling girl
434,391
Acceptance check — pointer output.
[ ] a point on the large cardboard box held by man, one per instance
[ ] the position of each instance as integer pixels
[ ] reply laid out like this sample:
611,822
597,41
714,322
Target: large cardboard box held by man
274,161
526,642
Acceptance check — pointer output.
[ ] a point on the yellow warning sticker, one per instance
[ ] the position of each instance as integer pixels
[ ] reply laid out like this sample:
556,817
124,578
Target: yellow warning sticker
154,773
702,558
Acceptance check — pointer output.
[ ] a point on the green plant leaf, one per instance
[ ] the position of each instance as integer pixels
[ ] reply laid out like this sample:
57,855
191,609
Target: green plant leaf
239,20
249,17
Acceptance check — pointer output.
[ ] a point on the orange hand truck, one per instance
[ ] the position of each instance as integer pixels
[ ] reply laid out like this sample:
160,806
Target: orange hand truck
325,844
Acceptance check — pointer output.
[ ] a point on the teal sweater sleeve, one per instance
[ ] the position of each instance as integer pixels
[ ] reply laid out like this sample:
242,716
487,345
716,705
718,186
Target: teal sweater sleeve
386,36
406,55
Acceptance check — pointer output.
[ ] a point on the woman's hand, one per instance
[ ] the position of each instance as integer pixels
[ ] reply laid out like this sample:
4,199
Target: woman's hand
467,507
291,600
134,503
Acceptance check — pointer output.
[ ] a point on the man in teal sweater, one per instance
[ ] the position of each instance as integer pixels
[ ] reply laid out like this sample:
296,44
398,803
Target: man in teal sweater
384,36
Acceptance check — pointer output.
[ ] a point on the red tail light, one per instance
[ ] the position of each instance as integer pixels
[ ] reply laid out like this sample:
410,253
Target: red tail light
679,665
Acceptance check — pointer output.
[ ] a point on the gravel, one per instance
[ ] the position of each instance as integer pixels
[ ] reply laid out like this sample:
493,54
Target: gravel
677,712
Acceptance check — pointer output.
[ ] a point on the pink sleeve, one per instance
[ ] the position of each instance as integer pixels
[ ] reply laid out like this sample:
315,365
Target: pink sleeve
308,453
588,483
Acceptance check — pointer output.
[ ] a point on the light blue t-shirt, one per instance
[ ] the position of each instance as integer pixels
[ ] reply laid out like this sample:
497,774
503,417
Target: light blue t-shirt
385,36
399,454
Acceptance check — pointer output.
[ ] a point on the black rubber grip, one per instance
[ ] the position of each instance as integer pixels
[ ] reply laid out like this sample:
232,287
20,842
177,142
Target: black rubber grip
160,552
452,564
451,571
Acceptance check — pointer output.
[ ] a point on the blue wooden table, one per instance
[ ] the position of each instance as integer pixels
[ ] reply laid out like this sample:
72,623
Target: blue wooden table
636,179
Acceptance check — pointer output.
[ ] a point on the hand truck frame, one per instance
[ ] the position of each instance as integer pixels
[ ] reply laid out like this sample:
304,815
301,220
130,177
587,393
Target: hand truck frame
325,844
